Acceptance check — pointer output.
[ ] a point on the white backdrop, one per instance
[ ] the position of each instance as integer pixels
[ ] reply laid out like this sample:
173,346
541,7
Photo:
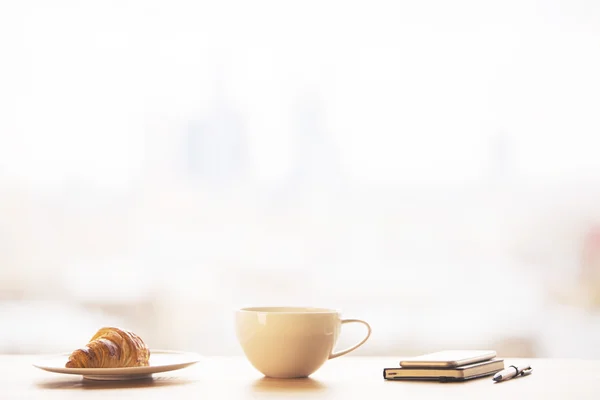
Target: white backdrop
428,166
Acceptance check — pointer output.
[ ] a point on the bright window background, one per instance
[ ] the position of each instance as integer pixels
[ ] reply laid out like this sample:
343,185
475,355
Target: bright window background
431,167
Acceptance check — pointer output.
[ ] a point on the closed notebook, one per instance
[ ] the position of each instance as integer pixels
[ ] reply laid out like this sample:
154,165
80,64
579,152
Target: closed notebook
461,373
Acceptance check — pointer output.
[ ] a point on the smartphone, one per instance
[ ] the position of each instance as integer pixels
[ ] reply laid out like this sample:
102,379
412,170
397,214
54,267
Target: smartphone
448,359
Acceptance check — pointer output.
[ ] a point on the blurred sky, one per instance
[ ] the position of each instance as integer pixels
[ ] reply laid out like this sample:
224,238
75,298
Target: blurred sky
467,132
410,91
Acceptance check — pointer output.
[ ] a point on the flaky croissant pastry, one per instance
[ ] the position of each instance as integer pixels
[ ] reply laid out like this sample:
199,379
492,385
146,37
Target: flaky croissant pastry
111,348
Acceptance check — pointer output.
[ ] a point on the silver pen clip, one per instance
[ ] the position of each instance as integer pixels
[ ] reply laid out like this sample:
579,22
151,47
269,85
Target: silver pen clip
526,371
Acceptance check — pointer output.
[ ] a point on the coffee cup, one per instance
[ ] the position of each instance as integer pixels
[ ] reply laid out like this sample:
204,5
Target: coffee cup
291,342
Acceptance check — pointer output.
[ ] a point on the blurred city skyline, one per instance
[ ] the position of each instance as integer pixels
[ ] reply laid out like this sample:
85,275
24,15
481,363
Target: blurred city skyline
163,163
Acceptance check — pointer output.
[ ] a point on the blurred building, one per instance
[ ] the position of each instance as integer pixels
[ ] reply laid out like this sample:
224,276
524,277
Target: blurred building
216,148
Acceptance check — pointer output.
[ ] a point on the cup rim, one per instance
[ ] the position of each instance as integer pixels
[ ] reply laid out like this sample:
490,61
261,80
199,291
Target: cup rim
288,310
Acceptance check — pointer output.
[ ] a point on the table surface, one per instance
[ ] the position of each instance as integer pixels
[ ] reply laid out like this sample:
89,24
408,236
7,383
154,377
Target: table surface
349,377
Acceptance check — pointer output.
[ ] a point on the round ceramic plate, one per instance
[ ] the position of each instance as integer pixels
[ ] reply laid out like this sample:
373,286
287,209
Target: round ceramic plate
160,361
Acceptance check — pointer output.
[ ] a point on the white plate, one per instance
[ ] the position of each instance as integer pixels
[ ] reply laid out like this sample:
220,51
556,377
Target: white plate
160,361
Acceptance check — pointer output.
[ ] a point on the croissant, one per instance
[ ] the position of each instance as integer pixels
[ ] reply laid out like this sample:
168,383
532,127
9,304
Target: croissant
111,348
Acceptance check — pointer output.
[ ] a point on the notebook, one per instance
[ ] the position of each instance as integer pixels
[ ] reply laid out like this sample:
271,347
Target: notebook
461,373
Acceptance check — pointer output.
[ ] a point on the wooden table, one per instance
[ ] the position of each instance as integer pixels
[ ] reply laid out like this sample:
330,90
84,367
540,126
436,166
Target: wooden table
344,378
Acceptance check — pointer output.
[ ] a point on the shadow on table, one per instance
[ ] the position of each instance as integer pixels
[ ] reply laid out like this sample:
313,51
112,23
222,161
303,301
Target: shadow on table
84,384
288,385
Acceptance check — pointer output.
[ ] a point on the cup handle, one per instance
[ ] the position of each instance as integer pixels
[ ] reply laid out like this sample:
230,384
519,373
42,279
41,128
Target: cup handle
348,350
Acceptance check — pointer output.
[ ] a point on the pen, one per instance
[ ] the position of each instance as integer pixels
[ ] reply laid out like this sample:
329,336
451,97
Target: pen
512,372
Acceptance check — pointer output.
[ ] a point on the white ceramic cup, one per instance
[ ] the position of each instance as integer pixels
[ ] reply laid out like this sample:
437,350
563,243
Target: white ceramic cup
291,342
